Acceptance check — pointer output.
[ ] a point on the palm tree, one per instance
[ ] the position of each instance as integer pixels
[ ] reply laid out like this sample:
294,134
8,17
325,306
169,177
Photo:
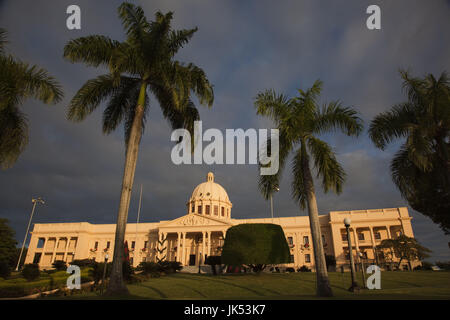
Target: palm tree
299,120
19,81
421,168
141,65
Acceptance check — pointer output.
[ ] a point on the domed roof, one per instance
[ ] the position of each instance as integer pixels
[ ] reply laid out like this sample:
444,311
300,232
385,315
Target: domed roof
209,190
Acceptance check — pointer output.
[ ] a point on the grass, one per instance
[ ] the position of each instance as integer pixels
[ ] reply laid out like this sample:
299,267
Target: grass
394,285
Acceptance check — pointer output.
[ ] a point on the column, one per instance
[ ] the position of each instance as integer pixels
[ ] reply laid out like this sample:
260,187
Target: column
183,254
54,250
203,247
388,228
165,246
178,247
209,243
65,250
372,238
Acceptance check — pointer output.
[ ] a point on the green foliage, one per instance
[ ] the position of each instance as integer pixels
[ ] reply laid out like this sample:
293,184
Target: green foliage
425,266
31,271
5,270
421,168
299,120
83,262
154,269
7,244
18,82
304,269
59,265
405,248
445,265
213,260
256,245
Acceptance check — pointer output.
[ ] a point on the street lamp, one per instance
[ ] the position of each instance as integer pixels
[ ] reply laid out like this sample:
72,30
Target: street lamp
354,287
34,201
276,189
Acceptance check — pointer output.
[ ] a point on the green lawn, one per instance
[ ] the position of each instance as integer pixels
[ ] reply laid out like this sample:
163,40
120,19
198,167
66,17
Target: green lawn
394,285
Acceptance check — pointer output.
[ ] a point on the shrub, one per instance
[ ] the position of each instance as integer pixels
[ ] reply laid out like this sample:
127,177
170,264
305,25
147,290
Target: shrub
59,265
290,270
213,261
31,271
83,262
149,268
443,264
330,261
303,269
425,266
5,270
97,271
127,271
255,245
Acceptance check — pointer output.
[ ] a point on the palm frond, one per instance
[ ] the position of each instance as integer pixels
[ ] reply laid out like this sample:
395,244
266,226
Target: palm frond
273,105
326,164
135,24
90,95
14,135
393,124
333,116
3,40
299,192
92,50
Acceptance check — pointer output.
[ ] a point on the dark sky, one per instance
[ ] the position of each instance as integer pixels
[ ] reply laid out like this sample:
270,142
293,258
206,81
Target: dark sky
244,47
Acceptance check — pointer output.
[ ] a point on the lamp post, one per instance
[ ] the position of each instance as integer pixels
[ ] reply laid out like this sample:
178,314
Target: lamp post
104,272
276,189
354,287
34,201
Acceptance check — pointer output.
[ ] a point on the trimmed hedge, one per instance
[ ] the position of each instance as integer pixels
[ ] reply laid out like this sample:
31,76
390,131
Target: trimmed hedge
256,245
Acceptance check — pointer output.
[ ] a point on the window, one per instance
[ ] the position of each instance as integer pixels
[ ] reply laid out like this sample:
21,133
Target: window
361,236
207,210
323,240
223,212
131,261
108,244
216,210
291,258
133,244
41,243
377,235
193,208
290,241
145,244
199,211
344,237
96,245
305,240
307,258
37,257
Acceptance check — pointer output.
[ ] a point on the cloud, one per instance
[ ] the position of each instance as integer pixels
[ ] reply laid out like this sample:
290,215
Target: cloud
244,48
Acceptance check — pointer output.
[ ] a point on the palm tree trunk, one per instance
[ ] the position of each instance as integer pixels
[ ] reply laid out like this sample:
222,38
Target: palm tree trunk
323,285
116,283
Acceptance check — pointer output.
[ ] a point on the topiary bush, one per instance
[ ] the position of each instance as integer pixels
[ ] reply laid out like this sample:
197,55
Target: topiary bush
83,262
303,269
255,245
31,271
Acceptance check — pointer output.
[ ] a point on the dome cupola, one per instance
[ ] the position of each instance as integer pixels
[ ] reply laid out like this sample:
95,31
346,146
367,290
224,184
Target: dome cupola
210,199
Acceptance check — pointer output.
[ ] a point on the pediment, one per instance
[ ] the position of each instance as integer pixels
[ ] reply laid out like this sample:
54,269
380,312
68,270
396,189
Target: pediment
194,219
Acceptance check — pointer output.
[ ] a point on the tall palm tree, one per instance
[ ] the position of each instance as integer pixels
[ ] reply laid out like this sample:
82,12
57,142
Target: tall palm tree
421,168
19,81
141,65
300,120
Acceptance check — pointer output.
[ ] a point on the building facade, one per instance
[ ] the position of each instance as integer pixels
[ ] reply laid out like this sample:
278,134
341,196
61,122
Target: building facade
189,239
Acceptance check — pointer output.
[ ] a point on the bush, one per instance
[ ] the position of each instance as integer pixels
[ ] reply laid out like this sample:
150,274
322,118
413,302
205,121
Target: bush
425,266
149,268
97,271
290,270
213,261
330,261
5,270
83,262
31,271
303,269
127,271
255,245
443,264
59,265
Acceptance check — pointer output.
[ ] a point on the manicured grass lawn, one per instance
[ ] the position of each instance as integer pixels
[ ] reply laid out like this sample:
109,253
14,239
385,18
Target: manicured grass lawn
394,285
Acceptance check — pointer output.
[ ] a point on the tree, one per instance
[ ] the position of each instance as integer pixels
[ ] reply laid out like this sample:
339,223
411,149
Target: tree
7,244
405,248
31,271
141,65
421,168
19,81
299,120
255,245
